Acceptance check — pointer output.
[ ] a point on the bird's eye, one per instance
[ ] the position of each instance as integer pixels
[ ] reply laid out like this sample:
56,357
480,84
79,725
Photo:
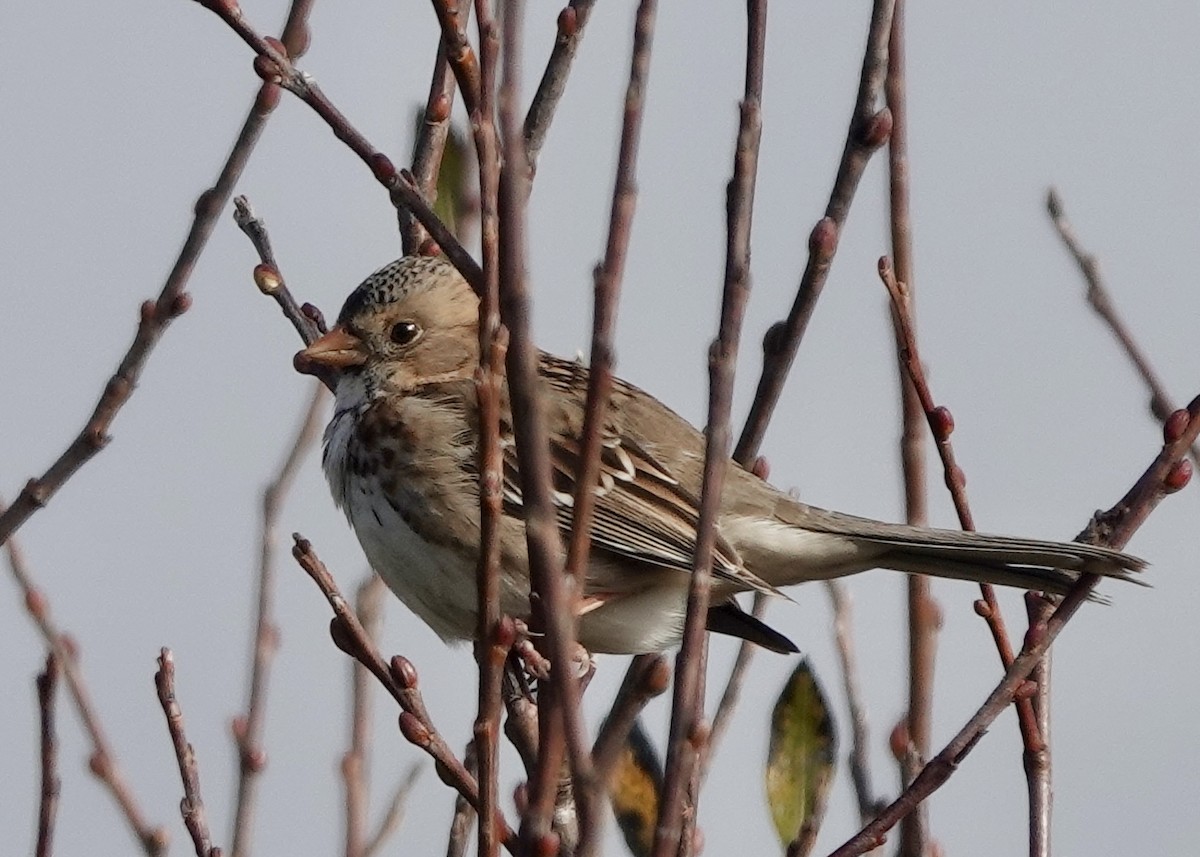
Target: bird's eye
405,332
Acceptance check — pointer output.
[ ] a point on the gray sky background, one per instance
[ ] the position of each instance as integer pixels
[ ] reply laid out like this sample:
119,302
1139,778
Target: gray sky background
116,116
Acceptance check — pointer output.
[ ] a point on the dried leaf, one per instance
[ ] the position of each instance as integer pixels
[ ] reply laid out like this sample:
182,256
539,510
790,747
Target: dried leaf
800,760
635,790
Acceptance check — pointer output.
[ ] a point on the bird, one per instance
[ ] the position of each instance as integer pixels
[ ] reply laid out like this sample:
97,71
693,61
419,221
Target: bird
401,454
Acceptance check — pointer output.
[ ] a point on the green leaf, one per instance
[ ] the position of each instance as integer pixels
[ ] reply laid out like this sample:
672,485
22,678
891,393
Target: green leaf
457,202
800,760
635,791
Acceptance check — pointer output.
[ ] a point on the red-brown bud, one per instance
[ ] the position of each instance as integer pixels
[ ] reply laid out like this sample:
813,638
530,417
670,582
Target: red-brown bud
823,240
1178,476
383,168
404,672
568,22
414,730
942,422
1175,424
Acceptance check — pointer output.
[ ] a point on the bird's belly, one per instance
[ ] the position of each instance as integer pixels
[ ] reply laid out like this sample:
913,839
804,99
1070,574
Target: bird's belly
633,621
434,581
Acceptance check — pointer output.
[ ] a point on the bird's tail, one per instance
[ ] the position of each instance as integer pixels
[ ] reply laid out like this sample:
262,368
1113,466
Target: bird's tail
1003,560
803,542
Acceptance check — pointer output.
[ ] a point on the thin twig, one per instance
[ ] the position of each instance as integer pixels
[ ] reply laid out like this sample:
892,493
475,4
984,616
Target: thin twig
464,813
274,67
607,278
494,637
860,769
400,680
941,424
394,815
47,688
1037,762
558,717
689,733
723,714
368,603
923,611
1098,297
521,724
156,315
428,146
571,22
192,805
462,59
103,761
270,281
869,129
492,652
248,727
607,285
647,677
1113,528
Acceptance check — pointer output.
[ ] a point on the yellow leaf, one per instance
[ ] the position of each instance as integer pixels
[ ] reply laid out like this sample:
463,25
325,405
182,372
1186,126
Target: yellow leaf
800,760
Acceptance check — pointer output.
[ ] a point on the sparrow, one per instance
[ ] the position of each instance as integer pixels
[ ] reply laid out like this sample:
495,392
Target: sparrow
401,456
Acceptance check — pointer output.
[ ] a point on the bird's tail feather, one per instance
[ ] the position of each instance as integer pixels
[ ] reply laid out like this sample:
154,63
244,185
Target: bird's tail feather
1023,563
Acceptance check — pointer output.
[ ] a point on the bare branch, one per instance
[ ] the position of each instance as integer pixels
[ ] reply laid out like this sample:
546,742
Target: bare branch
369,606
274,66
464,813
494,635
463,63
730,697
869,129
1037,760
47,687
860,769
1098,296
941,424
923,611
1113,528
646,678
689,733
172,301
103,761
192,805
428,147
390,822
607,278
400,680
741,664
559,719
248,728
571,22
270,281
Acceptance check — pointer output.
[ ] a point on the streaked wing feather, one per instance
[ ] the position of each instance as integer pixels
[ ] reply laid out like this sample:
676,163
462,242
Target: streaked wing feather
641,512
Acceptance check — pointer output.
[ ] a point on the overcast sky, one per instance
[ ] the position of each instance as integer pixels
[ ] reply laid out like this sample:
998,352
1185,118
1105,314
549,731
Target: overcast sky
118,115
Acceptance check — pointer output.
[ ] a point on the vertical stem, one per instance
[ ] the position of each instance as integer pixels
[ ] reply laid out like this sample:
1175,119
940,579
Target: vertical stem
689,733
1037,759
490,650
922,610
47,690
608,276
551,595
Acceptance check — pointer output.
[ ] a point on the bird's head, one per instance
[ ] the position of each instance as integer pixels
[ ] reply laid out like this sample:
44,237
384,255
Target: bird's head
411,322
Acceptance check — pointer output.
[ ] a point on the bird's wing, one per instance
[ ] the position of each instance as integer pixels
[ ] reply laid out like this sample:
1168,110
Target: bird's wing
641,511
